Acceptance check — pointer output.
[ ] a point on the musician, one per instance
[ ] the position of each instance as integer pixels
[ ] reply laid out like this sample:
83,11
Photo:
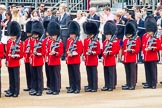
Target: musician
14,52
45,24
1,57
74,50
150,48
37,57
55,50
109,55
131,47
91,51
27,55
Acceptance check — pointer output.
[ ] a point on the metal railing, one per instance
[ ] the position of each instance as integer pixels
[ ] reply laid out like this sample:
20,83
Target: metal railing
76,5
72,5
152,4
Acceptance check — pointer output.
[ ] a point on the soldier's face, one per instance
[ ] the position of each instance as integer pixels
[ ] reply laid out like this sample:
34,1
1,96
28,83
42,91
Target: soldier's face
13,38
35,36
108,36
54,37
29,34
150,33
72,36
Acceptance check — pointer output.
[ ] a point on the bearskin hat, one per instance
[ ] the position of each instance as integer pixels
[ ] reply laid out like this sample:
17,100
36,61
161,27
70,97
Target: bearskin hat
14,29
74,28
37,28
150,24
131,27
53,28
90,28
110,27
29,26
45,24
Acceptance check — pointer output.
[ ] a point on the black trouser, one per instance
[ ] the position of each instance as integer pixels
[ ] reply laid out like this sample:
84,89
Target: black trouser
64,39
92,77
47,74
151,72
109,76
55,79
15,79
37,78
74,76
115,72
0,83
28,75
130,69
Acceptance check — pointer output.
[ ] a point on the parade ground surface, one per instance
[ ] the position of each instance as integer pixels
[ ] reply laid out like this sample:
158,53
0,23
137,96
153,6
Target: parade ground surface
139,98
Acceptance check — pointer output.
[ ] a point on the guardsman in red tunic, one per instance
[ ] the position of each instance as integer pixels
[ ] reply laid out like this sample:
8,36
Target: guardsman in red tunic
91,52
14,53
55,50
111,48
74,49
1,57
131,48
27,55
150,48
45,24
37,53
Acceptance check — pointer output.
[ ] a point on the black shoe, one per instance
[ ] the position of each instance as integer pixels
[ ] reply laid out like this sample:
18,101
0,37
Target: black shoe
31,90
26,89
39,94
55,93
6,91
125,88
125,85
33,93
70,91
146,87
8,94
132,88
93,90
145,84
49,92
88,90
153,87
160,82
110,89
104,89
15,95
77,91
68,88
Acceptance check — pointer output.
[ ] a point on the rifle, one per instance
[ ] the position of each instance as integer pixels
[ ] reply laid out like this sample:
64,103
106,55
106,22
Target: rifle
131,42
109,45
92,44
56,44
72,46
28,47
38,45
152,40
14,48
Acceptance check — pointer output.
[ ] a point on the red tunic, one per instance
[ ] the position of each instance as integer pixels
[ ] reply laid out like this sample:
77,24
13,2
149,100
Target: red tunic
110,59
35,59
79,49
13,62
54,59
150,55
27,47
1,52
129,57
91,60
